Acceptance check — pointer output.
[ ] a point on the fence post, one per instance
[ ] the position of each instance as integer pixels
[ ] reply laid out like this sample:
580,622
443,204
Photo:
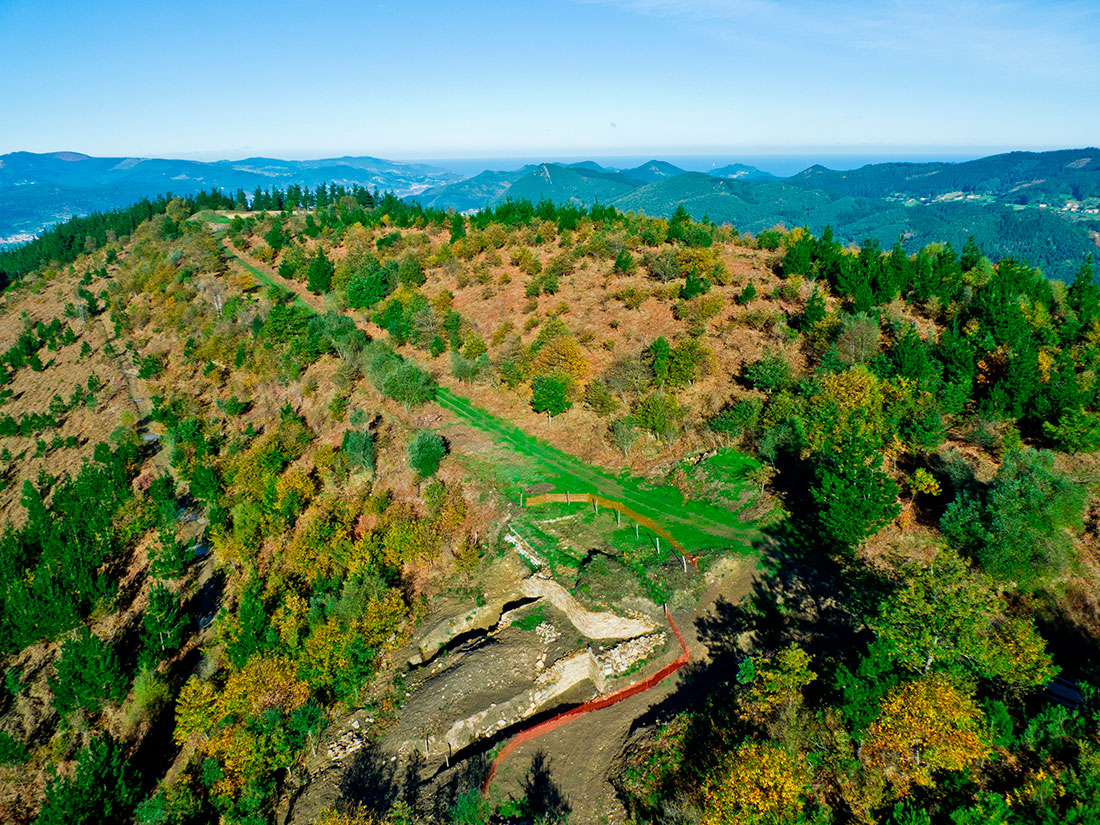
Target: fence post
636,531
596,504
567,497
618,518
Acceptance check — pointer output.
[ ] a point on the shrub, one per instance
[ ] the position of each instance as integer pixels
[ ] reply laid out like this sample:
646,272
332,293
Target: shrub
426,449
149,695
598,398
658,413
560,266
694,285
770,374
736,418
625,263
623,434
358,448
408,384
12,751
150,366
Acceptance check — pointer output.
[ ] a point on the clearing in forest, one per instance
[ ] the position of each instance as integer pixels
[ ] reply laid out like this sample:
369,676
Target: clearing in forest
697,522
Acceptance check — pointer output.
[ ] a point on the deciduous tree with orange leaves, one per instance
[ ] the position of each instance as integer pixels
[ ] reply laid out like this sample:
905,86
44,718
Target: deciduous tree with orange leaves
924,726
759,784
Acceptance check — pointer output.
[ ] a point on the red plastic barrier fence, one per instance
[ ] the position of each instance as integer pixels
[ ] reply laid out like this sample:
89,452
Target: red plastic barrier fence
555,722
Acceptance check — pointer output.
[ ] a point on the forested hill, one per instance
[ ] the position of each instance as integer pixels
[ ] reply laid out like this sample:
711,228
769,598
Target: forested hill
253,460
1040,236
38,190
1017,177
1043,207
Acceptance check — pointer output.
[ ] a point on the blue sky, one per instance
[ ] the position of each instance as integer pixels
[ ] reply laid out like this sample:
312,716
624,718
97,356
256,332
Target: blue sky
584,77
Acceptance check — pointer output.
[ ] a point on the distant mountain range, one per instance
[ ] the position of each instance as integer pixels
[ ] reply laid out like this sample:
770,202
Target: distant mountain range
1043,207
38,190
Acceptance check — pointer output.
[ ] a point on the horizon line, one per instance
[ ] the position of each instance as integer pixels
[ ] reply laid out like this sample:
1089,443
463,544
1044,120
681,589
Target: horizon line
871,150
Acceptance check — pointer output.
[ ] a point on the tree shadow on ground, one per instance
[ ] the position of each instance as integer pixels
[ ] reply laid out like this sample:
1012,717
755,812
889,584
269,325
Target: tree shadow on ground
371,781
543,800
206,601
375,781
438,797
801,596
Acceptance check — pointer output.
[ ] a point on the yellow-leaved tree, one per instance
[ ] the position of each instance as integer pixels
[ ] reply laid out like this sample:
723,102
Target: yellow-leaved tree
924,726
758,784
774,684
223,725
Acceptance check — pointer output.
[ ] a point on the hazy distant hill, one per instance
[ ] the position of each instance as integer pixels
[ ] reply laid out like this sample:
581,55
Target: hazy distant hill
472,193
653,170
37,190
741,171
1016,177
586,184
1042,237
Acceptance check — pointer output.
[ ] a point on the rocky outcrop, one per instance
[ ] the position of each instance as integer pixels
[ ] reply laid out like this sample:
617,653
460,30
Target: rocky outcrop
483,618
593,625
577,671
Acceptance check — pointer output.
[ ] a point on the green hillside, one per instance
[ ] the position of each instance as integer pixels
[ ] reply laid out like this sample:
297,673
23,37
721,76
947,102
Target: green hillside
1015,177
569,184
472,193
1040,237
1036,206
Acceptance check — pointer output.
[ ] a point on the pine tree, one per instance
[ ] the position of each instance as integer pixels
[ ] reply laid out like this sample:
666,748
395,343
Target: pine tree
1084,295
814,310
854,497
549,396
320,273
88,674
163,625
426,450
103,791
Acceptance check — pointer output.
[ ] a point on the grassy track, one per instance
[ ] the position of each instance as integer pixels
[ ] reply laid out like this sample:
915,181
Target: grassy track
267,279
696,524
